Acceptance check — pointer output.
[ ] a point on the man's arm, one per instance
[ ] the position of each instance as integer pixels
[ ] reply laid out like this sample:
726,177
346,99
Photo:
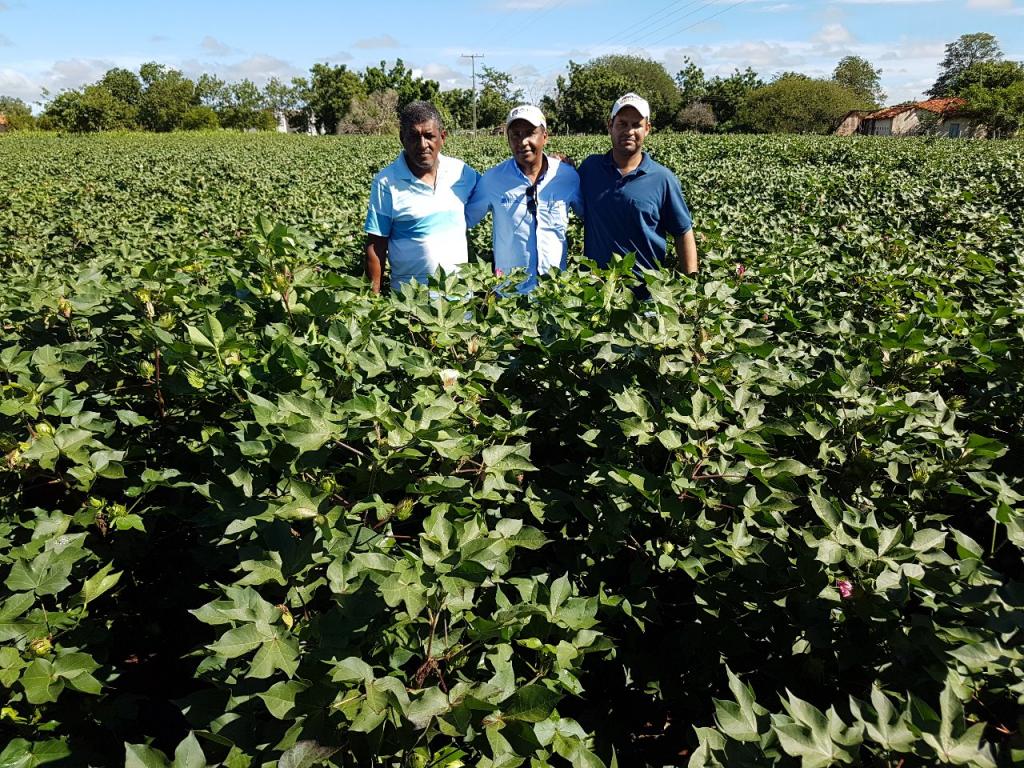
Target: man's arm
686,252
376,255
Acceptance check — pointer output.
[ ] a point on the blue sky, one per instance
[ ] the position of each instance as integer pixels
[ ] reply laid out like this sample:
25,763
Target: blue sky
56,44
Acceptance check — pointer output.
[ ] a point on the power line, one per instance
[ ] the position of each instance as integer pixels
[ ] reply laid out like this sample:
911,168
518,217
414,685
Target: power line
473,57
645,22
537,15
645,36
698,23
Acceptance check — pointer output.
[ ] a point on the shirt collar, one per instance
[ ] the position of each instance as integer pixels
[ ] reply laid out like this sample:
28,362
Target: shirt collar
644,167
407,174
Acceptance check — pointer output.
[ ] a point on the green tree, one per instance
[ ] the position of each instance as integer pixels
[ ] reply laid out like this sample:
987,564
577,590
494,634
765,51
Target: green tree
242,106
458,104
1000,109
123,84
201,118
91,109
331,90
857,74
497,96
210,90
989,74
18,113
168,95
726,95
961,54
798,104
400,78
691,82
584,99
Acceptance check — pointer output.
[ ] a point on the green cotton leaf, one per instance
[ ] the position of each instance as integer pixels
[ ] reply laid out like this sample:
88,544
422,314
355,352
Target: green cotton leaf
632,401
824,509
305,754
558,593
46,574
40,682
237,642
927,539
813,749
20,753
502,458
188,754
351,669
309,435
277,653
670,439
280,697
430,704
530,704
101,581
143,756
198,339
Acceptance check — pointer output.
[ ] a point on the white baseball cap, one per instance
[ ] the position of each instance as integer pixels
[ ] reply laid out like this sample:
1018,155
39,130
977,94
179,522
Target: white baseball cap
639,103
526,112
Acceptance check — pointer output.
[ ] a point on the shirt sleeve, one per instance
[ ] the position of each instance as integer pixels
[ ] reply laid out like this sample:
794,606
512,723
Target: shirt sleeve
576,196
674,211
479,203
380,212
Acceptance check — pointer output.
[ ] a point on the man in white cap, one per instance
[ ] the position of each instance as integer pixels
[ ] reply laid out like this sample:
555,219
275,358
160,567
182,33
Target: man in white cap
631,204
530,195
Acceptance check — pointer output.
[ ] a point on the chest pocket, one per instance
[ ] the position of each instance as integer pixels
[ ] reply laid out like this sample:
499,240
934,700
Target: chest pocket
554,213
646,209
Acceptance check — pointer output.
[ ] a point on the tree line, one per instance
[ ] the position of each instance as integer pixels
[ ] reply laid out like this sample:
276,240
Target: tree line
336,99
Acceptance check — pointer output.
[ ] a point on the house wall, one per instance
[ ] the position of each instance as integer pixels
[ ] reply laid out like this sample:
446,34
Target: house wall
849,126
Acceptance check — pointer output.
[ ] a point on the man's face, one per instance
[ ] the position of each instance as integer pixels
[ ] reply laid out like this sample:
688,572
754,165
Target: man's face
628,130
422,143
526,141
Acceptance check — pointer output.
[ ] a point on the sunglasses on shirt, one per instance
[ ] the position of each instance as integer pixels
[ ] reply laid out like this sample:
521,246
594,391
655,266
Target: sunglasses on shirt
531,200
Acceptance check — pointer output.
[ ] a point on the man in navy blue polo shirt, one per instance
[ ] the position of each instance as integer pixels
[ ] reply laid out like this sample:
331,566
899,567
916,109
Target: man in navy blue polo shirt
632,204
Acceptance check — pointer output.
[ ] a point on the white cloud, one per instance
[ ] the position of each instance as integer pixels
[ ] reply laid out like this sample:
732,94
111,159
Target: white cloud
885,2
381,41
833,34
211,46
16,84
990,5
339,56
74,73
259,68
446,76
778,8
158,38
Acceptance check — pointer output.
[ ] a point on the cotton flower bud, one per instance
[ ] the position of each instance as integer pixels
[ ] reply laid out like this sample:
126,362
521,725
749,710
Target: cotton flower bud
403,509
845,588
146,369
64,307
473,346
449,378
40,647
44,428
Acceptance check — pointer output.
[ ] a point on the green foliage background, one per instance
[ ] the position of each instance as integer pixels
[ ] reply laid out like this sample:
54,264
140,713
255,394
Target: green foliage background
254,515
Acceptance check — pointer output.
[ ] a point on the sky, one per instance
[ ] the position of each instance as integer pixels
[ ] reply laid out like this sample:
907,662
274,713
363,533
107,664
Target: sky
50,45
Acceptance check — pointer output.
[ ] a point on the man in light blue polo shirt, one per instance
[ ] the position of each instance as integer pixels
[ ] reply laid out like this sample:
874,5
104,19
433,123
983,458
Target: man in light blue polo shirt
631,204
416,219
530,195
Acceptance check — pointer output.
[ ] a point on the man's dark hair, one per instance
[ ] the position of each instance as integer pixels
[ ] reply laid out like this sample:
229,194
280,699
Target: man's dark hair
416,112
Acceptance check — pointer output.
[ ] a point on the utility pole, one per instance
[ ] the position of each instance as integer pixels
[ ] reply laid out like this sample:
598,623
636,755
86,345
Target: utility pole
473,57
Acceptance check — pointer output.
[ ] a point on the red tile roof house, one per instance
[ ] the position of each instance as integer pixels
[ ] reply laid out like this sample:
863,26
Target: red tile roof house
934,117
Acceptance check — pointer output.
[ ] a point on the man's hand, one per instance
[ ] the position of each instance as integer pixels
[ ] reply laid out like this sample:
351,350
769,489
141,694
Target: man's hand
563,158
376,256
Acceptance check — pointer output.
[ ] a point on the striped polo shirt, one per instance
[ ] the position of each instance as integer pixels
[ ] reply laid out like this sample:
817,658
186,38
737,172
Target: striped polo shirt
425,225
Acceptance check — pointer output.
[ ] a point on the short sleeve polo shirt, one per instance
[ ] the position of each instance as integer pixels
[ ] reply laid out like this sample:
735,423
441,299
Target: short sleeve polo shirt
632,213
425,225
522,240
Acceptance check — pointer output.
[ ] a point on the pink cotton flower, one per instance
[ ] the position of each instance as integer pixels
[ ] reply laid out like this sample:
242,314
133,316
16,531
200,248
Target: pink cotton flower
740,270
498,273
845,588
